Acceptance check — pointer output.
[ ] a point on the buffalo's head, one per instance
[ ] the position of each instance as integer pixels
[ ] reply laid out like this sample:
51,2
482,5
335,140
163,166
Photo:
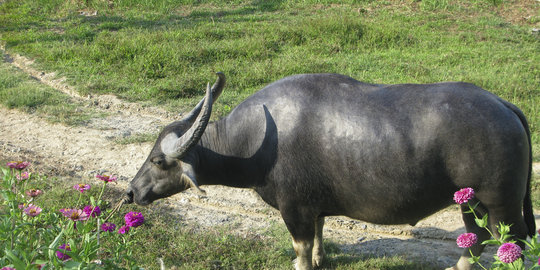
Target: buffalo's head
168,169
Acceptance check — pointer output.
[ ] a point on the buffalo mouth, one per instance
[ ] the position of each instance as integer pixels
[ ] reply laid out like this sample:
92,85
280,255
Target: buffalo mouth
131,197
128,197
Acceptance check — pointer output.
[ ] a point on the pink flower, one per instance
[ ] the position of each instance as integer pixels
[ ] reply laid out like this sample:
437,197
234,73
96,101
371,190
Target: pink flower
466,240
123,229
134,219
106,178
509,252
32,210
7,268
33,192
74,214
19,165
62,256
463,195
23,176
108,227
92,211
81,187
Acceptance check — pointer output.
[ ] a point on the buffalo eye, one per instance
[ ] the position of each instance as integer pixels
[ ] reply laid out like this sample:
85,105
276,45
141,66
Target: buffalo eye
158,161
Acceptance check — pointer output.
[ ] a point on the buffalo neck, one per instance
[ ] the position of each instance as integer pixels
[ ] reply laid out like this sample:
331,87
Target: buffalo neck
227,155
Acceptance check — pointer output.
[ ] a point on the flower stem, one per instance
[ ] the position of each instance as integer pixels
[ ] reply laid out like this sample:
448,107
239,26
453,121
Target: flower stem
478,261
79,200
101,193
476,217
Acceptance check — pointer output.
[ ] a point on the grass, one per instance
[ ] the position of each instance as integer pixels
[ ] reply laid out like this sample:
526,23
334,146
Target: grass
137,138
165,51
19,90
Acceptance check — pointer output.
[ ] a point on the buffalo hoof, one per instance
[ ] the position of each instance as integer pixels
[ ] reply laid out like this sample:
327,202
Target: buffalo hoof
317,260
462,264
300,266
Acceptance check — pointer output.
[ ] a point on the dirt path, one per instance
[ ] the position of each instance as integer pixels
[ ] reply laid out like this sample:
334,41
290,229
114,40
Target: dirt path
83,151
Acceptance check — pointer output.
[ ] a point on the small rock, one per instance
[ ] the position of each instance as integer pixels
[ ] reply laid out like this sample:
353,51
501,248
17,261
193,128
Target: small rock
184,200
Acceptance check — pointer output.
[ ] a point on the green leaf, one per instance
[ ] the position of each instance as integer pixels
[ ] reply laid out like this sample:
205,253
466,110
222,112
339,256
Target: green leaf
482,223
8,195
492,242
474,259
72,265
54,244
18,263
504,229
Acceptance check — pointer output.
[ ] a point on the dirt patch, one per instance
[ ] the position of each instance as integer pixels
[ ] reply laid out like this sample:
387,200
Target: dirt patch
83,151
523,12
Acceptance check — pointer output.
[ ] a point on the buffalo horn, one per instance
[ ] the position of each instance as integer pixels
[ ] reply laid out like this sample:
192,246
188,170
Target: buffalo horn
194,133
217,88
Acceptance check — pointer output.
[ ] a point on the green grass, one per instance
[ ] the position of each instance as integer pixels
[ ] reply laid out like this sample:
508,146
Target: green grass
19,90
166,51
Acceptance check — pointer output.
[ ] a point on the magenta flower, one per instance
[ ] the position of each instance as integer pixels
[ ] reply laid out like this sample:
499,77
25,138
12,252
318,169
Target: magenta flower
463,195
7,268
32,210
33,193
509,252
134,219
108,227
23,176
92,211
82,187
106,178
74,214
62,256
466,240
18,165
123,229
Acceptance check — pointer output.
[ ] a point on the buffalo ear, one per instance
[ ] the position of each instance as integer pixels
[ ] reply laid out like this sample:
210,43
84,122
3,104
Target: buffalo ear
188,178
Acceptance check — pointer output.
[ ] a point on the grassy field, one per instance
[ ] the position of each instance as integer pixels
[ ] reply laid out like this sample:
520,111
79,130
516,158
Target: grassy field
164,52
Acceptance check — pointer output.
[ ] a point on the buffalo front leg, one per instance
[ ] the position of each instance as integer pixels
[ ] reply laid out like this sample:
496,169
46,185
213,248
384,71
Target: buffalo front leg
318,249
301,225
303,249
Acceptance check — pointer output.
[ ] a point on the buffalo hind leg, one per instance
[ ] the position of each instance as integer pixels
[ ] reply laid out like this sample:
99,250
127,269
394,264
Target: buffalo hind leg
471,227
318,249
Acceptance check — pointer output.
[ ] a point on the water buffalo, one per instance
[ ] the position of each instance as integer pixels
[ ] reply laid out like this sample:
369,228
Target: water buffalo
317,145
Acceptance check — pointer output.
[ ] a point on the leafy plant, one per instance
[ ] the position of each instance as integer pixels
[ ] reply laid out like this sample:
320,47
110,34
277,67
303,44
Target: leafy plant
509,254
33,237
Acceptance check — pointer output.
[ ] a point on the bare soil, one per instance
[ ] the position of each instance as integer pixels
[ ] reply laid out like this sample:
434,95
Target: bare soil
83,151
